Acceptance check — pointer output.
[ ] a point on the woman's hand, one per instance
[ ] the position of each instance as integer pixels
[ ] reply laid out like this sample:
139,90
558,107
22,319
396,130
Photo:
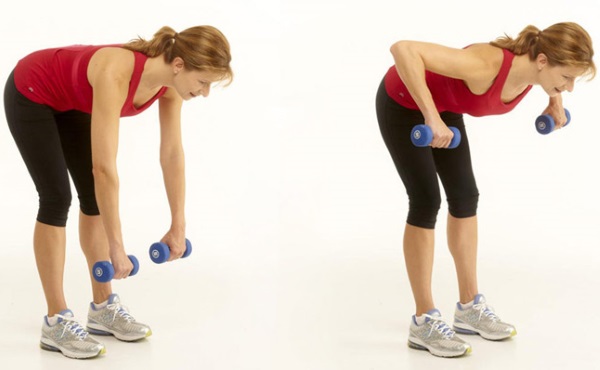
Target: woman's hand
442,135
557,112
121,263
175,239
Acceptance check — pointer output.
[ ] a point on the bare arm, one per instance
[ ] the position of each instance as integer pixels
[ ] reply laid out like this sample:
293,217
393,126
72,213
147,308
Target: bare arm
556,110
413,58
172,162
108,74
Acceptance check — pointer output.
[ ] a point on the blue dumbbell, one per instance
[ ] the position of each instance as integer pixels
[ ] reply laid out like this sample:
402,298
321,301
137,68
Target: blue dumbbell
104,271
545,124
421,136
160,252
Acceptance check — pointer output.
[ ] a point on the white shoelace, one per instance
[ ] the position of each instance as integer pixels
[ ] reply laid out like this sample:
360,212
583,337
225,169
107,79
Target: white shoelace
440,326
486,310
120,310
70,324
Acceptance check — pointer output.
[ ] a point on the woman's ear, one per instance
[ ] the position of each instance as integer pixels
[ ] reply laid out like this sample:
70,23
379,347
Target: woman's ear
541,61
177,65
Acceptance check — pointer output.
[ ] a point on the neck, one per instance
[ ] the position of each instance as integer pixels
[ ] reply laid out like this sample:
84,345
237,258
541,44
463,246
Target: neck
156,73
523,72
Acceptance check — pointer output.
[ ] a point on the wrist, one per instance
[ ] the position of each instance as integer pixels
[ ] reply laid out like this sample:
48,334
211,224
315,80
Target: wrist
556,101
178,226
116,249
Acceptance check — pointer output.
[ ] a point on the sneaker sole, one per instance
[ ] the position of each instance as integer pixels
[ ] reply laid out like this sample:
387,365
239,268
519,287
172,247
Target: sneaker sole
469,330
423,347
48,345
101,330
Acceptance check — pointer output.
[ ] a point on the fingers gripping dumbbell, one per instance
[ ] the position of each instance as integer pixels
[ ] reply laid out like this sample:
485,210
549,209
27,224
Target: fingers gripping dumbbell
160,252
421,136
545,124
104,271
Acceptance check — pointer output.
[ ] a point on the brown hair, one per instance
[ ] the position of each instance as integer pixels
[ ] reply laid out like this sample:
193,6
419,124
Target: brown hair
564,44
202,48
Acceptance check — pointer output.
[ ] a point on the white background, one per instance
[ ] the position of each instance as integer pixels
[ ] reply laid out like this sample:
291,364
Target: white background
294,207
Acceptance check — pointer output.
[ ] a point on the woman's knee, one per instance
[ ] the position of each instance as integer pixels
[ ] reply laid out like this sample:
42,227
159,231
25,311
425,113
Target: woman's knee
88,205
423,213
54,210
463,207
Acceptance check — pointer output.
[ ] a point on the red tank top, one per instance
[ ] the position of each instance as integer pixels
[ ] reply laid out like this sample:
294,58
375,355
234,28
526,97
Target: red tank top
58,78
453,95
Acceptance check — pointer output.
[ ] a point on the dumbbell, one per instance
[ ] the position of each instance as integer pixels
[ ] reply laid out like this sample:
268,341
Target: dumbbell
545,124
104,271
421,136
160,252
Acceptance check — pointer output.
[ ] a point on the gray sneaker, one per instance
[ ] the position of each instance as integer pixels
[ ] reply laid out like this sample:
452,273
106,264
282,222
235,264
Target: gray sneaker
69,337
481,319
114,319
435,336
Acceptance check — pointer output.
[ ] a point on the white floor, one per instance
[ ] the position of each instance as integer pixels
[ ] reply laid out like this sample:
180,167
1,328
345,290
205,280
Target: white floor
326,311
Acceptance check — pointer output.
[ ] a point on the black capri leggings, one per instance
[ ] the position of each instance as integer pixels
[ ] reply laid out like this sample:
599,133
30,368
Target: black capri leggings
53,144
419,167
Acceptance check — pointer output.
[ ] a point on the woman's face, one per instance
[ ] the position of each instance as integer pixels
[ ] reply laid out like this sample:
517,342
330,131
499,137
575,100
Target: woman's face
556,79
190,84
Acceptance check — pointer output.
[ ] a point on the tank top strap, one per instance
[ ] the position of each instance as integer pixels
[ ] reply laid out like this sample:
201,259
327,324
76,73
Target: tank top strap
136,76
504,70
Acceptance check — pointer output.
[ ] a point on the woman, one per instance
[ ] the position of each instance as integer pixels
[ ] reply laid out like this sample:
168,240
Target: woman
436,85
63,107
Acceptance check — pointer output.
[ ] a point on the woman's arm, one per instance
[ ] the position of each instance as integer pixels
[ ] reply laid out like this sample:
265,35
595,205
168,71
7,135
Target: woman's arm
413,58
109,72
172,162
556,110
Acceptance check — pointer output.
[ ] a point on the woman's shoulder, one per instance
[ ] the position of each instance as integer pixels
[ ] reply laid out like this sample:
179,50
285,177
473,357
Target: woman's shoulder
488,52
113,53
112,59
491,55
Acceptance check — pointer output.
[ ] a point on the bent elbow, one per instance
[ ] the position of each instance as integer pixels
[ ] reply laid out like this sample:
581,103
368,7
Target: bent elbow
399,47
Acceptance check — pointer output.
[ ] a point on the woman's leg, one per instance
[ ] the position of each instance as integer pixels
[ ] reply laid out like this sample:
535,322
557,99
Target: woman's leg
456,173
418,173
418,257
106,315
75,133
462,242
34,130
49,248
95,247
